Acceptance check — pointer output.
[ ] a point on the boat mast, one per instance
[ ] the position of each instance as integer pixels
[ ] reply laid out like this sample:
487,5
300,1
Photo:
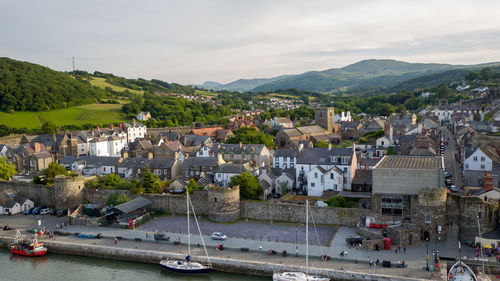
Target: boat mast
189,232
480,243
307,237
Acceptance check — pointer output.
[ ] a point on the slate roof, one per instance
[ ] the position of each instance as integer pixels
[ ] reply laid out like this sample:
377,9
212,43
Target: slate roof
195,140
285,152
134,163
99,161
410,162
132,205
321,156
490,152
68,159
311,129
161,163
193,162
171,136
292,132
363,177
231,168
236,149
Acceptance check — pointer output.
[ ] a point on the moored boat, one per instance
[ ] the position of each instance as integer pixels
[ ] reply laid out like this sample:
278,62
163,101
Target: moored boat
29,248
461,272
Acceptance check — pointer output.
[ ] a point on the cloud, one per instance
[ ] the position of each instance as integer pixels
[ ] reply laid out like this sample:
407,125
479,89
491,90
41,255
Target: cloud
194,41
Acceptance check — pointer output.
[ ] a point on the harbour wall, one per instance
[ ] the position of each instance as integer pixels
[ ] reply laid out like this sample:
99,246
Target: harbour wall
220,264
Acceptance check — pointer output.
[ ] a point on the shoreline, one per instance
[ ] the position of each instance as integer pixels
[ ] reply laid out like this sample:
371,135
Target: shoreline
227,265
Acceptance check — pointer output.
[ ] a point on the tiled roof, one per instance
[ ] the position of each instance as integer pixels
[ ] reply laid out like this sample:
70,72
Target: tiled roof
161,163
410,162
212,132
311,129
200,162
99,160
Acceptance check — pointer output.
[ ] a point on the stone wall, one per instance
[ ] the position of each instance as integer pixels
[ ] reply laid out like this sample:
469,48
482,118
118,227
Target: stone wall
297,213
464,212
224,204
40,194
68,191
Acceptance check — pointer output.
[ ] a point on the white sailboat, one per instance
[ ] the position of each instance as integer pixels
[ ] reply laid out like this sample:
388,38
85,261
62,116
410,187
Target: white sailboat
301,276
187,266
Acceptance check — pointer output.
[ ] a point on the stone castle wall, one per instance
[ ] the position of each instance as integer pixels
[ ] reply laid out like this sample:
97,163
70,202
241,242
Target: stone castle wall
297,213
224,204
68,191
39,193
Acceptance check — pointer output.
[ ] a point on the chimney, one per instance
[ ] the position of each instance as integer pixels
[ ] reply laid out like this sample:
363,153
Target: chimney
36,146
121,125
487,182
134,122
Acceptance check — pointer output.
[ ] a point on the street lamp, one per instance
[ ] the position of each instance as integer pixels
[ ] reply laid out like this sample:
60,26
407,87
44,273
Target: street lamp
296,242
427,256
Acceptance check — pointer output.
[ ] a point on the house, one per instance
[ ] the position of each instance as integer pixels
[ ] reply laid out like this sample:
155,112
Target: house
96,165
373,125
196,166
134,130
138,149
343,117
195,140
396,179
167,149
3,150
285,158
218,134
477,161
143,116
67,161
290,138
226,171
351,130
30,158
11,203
239,123
345,159
278,123
320,180
132,167
165,168
258,154
362,181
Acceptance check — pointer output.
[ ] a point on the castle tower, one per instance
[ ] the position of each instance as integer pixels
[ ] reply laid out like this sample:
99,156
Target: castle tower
68,191
224,204
324,117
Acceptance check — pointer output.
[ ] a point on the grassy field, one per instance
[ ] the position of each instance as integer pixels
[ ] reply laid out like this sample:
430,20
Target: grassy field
91,113
200,92
101,83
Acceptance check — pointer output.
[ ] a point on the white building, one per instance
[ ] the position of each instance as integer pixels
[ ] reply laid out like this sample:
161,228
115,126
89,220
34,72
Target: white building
343,117
135,130
320,180
285,158
225,172
478,161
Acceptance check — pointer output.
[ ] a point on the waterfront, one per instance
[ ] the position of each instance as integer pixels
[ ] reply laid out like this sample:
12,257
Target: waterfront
56,267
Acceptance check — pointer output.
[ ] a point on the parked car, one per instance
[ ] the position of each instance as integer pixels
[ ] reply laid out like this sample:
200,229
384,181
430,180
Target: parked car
218,236
354,241
61,212
448,182
161,236
45,211
37,210
28,211
453,188
447,175
53,212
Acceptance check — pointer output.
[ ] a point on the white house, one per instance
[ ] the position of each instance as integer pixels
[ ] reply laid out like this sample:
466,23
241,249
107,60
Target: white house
99,147
285,158
225,172
115,145
11,207
344,159
135,130
477,161
320,180
97,165
384,141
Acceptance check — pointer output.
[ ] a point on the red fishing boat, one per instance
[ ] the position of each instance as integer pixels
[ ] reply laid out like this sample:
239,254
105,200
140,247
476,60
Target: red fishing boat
29,248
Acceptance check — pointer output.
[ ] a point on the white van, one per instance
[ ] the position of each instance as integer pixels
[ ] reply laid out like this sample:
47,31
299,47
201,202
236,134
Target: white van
45,211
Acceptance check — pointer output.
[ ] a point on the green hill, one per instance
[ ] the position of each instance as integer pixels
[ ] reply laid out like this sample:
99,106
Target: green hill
26,86
363,76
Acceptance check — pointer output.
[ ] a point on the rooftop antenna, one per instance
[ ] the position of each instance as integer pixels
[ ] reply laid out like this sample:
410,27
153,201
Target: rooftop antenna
73,58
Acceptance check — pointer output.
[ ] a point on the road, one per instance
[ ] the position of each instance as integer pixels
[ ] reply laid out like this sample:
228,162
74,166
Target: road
451,165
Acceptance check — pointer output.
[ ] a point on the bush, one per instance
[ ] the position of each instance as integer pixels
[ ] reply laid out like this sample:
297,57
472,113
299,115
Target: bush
117,199
341,202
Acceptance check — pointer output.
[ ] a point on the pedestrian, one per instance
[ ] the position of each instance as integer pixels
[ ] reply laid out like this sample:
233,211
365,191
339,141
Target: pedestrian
376,263
437,266
147,234
399,248
116,240
404,249
396,250
371,262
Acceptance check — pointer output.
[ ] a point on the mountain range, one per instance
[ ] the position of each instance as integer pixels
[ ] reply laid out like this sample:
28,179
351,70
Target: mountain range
381,75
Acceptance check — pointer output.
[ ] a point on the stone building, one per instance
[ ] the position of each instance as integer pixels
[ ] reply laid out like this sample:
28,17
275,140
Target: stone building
224,204
325,117
68,191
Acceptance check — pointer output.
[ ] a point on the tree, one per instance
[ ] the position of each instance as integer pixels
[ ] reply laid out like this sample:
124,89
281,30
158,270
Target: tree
486,73
472,75
321,143
112,180
391,151
249,135
385,109
49,128
117,199
249,186
7,170
51,172
442,91
192,185
150,182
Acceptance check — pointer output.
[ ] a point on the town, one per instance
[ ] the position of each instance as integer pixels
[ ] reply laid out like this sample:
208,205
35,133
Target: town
376,184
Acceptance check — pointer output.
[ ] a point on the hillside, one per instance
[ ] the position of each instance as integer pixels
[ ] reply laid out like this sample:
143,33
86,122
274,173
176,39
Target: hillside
241,85
26,86
366,75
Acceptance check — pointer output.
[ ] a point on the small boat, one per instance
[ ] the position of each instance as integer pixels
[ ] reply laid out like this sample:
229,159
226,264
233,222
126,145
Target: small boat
27,248
187,266
301,276
461,272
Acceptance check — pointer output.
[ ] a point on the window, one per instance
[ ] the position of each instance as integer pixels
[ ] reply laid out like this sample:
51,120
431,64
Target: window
219,176
382,142
292,165
291,159
333,159
428,217
315,175
482,158
466,166
345,180
276,165
284,165
331,176
345,170
475,158
322,179
392,205
482,166
32,163
312,184
276,159
344,160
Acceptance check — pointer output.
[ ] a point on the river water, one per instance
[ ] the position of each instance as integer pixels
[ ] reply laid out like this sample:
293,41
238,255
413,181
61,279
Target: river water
54,267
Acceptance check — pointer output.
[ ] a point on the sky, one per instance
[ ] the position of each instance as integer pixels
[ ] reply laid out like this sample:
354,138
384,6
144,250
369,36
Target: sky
190,42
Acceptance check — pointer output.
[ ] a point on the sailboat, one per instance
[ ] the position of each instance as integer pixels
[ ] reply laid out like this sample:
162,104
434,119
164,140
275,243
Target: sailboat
460,271
187,266
301,276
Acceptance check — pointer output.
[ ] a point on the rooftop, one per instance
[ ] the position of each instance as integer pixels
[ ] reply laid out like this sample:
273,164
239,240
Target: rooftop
410,162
